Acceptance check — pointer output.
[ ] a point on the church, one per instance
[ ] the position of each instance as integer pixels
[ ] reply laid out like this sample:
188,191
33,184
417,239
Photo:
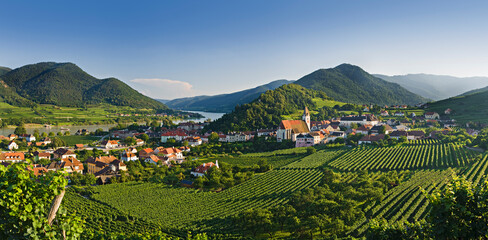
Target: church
290,129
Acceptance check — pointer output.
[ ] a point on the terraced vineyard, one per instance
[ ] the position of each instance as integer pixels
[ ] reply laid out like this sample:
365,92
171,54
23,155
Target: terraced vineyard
477,172
409,156
177,207
101,217
317,159
406,202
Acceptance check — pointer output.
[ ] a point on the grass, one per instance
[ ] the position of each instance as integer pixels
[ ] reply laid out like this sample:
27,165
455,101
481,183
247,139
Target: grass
319,103
75,139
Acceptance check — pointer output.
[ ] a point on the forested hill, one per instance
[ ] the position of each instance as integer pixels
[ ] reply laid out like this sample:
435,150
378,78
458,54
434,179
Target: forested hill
4,70
223,102
266,111
351,84
65,84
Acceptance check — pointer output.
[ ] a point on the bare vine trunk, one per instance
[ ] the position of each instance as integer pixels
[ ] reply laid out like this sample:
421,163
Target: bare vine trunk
54,209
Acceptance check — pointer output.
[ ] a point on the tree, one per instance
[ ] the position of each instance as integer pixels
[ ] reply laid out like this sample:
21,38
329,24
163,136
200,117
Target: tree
198,183
154,124
89,179
130,141
20,130
52,134
256,220
144,137
60,134
311,150
67,133
36,134
213,138
283,215
28,210
57,142
44,134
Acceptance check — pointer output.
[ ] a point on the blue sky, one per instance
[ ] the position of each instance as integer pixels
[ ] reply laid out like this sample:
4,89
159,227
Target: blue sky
169,49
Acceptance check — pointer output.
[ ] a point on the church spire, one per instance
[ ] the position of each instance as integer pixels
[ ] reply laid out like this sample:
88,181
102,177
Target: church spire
306,117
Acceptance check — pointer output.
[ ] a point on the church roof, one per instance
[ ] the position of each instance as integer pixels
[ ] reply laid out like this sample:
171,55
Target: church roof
297,126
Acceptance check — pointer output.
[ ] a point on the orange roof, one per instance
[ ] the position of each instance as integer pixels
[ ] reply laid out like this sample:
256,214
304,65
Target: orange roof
147,150
167,151
204,167
297,126
106,159
12,156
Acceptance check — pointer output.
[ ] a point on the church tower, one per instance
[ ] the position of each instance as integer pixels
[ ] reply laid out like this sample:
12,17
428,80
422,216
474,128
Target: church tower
306,117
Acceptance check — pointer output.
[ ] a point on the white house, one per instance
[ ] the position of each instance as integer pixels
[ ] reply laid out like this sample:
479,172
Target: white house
129,156
335,135
360,120
139,142
431,115
13,146
194,141
202,169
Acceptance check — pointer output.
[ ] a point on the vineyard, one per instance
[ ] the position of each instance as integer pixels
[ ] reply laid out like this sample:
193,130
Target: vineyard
101,217
175,208
416,155
406,202
315,160
428,165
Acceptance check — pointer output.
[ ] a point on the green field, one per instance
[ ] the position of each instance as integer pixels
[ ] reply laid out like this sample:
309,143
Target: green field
75,139
96,114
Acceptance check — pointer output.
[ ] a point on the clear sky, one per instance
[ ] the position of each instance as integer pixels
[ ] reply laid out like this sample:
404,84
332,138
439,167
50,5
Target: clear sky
169,49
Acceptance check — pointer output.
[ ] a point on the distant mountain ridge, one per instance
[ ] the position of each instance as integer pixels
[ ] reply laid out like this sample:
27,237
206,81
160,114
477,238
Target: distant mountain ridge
436,87
223,102
351,84
65,84
479,90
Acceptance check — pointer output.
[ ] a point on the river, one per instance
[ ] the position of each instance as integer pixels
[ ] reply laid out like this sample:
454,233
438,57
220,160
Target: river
105,127
206,115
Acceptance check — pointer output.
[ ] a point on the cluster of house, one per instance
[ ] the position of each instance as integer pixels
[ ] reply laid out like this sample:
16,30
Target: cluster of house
306,133
190,132
103,167
29,138
162,155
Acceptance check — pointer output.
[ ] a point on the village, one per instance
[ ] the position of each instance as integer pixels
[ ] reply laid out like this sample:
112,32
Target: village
109,157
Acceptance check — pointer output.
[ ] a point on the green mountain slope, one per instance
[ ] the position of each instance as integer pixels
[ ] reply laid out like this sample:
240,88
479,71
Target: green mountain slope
223,102
436,87
351,84
65,84
466,108
479,90
267,110
4,70
8,95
